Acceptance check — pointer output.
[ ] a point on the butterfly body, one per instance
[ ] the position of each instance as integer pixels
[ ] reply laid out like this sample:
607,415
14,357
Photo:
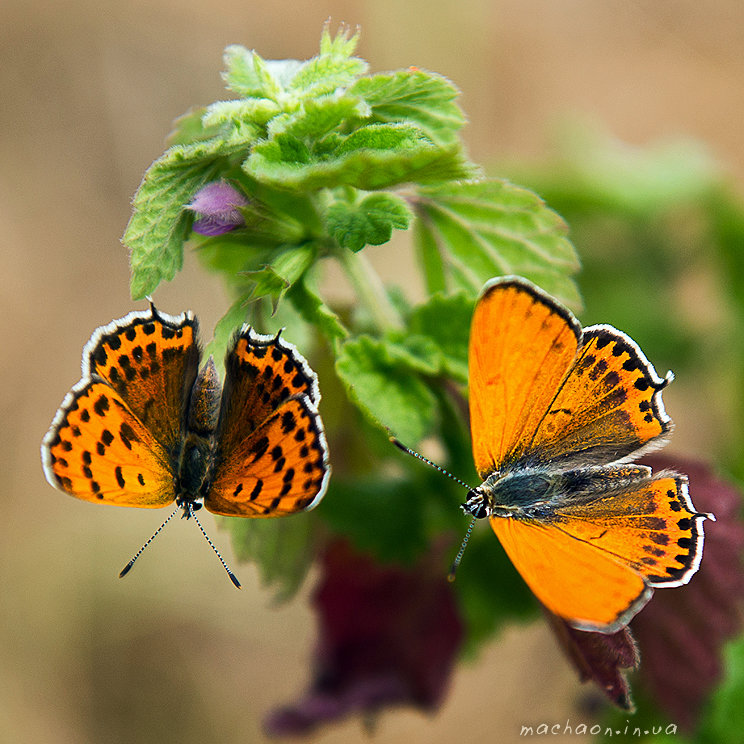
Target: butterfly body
558,413
536,493
145,427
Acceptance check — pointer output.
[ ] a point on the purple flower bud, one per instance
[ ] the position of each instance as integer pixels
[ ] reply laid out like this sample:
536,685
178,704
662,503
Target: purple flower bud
216,205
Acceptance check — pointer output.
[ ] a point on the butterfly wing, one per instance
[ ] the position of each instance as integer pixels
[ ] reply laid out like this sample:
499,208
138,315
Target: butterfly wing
650,526
271,456
573,579
97,450
522,343
114,437
593,561
151,359
607,408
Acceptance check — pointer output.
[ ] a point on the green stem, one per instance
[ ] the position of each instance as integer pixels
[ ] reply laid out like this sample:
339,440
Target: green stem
370,289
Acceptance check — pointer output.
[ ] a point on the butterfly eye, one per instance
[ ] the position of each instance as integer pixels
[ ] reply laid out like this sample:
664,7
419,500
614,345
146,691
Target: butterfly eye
481,511
476,505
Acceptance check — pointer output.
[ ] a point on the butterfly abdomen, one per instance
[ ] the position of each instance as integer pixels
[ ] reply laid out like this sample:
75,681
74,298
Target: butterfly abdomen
193,467
195,456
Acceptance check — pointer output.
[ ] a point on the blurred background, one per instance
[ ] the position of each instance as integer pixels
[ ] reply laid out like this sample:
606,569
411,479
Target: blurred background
89,90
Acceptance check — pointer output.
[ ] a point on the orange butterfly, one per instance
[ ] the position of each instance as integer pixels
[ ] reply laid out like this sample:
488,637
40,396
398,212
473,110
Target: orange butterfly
557,415
144,427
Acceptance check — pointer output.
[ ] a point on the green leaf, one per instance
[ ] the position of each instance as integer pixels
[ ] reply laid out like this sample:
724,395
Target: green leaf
248,74
286,267
333,68
415,352
343,44
429,257
723,719
385,389
313,310
281,548
190,128
383,516
374,157
445,320
229,253
224,331
489,228
414,97
160,223
255,111
317,116
368,222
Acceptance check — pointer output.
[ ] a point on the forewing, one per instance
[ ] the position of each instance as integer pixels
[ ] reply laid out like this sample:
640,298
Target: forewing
261,374
522,343
609,406
151,359
575,580
97,450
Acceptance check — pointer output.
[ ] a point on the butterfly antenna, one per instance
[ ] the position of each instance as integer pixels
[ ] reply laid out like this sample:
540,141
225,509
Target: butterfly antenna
232,576
458,557
415,454
126,569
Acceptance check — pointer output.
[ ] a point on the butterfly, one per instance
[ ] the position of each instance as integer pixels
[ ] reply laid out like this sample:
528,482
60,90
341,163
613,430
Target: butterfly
558,414
146,427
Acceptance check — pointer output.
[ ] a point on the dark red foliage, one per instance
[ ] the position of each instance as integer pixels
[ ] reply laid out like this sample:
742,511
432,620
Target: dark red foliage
600,657
388,635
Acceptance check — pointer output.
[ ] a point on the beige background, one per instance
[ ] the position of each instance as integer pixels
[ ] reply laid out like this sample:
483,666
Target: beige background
89,89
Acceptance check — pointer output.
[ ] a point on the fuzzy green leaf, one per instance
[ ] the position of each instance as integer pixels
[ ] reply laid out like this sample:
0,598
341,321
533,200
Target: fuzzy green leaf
374,157
333,68
343,44
385,389
190,128
256,111
317,116
160,223
415,97
489,228
248,74
368,222
286,267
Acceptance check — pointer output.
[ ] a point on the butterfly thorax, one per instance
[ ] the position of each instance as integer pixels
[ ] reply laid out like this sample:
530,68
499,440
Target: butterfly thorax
535,492
195,454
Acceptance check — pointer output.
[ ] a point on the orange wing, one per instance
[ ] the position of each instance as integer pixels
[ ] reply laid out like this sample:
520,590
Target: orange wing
271,456
573,579
281,468
114,437
522,343
608,407
151,359
97,450
651,526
